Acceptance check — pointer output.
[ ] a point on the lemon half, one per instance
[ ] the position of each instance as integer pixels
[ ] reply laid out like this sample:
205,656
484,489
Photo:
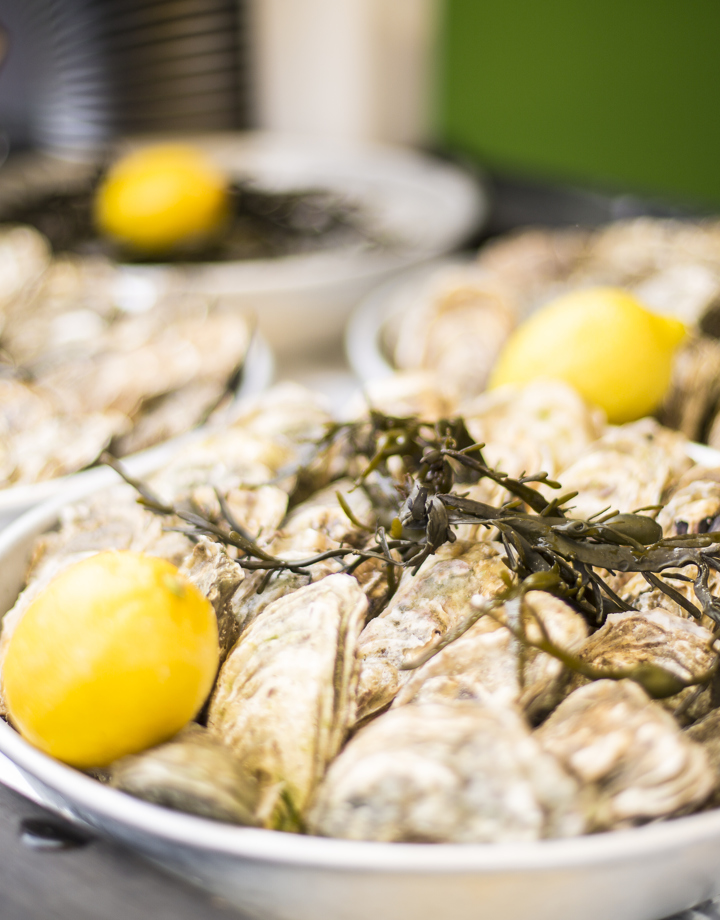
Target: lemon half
117,654
604,343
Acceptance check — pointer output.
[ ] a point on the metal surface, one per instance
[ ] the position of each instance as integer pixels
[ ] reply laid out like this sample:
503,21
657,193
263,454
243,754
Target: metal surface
639,874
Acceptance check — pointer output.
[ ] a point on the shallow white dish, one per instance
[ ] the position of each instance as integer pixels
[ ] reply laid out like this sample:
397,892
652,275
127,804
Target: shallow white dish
639,874
257,376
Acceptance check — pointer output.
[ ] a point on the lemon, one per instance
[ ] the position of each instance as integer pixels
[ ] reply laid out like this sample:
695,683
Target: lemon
601,341
161,197
117,654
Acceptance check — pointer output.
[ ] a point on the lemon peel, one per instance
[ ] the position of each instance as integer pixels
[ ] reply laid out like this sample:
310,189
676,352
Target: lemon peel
161,197
116,655
602,341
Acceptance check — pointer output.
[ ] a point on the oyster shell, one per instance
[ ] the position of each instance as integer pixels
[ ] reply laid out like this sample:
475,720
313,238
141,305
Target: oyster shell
693,397
616,740
456,328
453,772
286,694
194,772
679,646
631,466
692,508
217,577
544,425
404,394
487,661
706,732
425,607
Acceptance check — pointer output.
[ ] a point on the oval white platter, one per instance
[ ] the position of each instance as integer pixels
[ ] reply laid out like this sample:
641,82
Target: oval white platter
639,874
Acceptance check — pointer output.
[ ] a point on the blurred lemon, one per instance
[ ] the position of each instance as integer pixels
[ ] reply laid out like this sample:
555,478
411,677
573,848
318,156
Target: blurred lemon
161,197
117,654
601,341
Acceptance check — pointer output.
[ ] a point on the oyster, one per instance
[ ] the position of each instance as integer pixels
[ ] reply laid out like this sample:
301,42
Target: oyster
217,577
544,425
286,694
693,398
456,328
194,772
425,607
404,394
630,751
706,732
692,508
453,772
489,661
630,467
681,647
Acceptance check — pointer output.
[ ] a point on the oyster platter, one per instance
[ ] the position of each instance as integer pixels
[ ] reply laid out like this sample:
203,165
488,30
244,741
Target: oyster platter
421,640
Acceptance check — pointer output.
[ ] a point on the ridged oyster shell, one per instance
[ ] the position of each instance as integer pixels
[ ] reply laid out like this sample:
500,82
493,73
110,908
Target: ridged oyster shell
286,694
424,608
194,772
679,646
488,661
453,772
615,739
631,466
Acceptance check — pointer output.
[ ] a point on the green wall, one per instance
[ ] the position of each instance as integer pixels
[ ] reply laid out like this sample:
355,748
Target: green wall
619,94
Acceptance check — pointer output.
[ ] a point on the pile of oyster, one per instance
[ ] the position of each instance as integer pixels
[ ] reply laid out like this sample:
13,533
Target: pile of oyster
94,355
456,321
330,715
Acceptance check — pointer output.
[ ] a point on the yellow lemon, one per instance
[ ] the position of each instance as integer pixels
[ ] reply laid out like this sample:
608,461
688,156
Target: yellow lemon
161,197
117,654
603,342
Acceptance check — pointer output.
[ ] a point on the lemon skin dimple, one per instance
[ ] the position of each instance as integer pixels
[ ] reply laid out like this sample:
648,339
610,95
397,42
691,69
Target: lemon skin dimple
162,197
601,341
116,655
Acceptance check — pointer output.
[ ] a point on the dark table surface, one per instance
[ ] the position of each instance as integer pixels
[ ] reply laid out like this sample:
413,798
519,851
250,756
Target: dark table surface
91,879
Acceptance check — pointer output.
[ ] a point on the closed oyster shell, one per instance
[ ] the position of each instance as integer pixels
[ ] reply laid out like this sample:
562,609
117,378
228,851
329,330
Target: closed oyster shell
454,772
615,739
631,466
405,394
706,732
194,772
692,508
488,661
217,577
456,328
679,646
425,607
286,694
544,425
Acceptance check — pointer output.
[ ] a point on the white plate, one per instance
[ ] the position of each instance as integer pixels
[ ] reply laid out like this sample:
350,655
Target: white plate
257,376
638,874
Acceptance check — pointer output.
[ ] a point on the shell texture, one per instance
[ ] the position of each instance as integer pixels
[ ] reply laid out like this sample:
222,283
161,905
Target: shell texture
630,467
615,739
488,661
453,772
424,608
194,772
286,694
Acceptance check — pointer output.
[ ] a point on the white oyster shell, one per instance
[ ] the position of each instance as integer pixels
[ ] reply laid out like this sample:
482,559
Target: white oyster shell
425,607
631,466
488,661
286,694
194,772
453,772
614,738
